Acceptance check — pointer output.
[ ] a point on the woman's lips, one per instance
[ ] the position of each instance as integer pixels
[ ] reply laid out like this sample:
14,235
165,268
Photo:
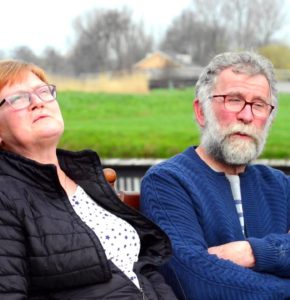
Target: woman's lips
39,118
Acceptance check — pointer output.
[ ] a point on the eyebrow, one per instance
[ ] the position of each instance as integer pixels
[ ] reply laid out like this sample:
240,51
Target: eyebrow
239,94
24,91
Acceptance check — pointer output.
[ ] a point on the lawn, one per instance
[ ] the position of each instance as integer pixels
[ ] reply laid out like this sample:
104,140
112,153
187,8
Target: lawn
158,125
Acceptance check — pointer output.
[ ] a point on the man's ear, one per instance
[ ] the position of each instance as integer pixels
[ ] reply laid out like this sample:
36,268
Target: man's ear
199,115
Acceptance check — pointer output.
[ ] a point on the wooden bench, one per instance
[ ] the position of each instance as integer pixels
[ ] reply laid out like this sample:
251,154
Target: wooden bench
130,198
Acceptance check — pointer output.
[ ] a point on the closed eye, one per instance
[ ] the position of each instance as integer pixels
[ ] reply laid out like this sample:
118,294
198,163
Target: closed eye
16,98
234,100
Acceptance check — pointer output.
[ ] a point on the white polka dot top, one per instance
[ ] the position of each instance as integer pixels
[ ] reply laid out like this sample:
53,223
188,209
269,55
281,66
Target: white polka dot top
119,239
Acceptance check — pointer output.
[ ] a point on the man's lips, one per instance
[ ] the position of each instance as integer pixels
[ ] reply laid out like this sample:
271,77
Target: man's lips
242,135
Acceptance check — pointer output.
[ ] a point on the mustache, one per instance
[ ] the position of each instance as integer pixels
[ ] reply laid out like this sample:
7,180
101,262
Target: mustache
245,129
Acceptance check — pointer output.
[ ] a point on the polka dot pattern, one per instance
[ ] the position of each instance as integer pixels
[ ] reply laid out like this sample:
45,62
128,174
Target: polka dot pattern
119,239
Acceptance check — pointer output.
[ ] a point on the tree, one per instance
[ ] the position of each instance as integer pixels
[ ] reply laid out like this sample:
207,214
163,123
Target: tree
253,23
55,63
189,35
211,26
26,54
248,23
278,54
108,40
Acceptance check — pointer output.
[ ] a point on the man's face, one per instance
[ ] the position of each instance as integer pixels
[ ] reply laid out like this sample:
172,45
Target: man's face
236,138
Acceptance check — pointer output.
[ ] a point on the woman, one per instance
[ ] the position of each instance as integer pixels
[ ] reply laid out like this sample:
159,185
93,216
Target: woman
64,234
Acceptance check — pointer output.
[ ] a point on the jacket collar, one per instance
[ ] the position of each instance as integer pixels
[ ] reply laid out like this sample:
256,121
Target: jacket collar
78,165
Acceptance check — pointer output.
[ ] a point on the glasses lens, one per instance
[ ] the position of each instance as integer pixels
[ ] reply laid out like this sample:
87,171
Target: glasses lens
46,92
18,101
234,103
261,109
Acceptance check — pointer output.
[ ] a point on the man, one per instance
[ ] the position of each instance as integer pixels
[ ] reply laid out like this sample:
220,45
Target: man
228,221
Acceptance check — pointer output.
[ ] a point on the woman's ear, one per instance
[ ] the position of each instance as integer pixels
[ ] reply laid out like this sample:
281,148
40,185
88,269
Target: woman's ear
198,111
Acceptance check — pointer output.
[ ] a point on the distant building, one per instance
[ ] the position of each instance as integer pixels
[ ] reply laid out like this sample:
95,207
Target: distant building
157,60
168,70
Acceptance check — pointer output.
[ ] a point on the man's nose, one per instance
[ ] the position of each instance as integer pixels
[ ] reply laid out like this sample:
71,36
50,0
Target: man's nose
246,114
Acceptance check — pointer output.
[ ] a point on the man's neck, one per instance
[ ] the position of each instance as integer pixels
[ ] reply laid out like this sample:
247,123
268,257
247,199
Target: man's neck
217,165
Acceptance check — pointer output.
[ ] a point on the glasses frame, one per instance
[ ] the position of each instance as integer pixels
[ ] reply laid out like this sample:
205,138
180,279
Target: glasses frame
245,104
51,87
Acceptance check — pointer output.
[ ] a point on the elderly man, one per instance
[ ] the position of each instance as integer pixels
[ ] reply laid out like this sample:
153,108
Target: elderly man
228,220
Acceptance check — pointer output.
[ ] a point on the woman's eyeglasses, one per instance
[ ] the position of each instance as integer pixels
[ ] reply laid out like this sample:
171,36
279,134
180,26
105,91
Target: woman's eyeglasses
21,100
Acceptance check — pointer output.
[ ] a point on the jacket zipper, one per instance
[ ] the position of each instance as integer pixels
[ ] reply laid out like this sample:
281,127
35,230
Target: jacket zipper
143,294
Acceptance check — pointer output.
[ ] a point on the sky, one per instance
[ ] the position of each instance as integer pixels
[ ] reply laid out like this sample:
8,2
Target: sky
42,23
39,23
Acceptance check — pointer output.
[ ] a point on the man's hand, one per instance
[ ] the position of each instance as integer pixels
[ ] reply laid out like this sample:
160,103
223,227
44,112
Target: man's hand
239,252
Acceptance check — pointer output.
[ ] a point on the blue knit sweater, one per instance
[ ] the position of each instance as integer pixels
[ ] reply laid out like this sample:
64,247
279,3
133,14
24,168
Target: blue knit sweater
194,205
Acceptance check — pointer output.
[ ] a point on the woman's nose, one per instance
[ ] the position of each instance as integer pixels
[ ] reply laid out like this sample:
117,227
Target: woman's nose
35,101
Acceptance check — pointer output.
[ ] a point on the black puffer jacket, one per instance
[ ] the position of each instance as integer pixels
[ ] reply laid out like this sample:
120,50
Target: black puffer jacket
47,252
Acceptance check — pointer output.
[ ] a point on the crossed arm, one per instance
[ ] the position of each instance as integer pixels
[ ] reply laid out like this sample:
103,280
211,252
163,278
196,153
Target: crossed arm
230,266
239,252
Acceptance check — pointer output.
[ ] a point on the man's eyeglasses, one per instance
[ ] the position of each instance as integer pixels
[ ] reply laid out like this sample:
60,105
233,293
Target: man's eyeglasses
21,100
236,103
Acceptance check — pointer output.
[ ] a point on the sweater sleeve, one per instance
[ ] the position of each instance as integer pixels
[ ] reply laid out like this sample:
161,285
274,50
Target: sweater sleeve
13,266
272,252
193,272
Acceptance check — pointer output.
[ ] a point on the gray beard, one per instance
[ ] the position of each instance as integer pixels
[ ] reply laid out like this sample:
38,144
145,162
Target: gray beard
219,143
231,152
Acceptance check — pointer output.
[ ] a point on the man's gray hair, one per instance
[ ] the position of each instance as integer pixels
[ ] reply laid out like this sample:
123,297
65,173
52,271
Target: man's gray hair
246,62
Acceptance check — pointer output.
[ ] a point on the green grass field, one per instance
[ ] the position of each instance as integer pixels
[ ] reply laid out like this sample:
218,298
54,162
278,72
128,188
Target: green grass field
156,125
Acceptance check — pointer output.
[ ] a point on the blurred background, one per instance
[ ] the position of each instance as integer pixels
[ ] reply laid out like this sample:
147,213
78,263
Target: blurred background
166,42
126,69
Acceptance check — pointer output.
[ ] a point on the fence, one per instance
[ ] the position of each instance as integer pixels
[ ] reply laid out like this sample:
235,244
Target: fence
131,171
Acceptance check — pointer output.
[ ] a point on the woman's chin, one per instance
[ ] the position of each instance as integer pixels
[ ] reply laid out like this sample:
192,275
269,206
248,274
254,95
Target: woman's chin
50,132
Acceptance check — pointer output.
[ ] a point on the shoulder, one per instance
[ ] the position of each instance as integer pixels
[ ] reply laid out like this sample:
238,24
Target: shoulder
184,167
179,171
179,163
268,176
266,171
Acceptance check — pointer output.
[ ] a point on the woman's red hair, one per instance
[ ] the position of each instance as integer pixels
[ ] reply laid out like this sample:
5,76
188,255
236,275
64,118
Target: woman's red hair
13,71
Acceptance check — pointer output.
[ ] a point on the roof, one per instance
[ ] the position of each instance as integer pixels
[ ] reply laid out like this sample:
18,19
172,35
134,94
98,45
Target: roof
157,60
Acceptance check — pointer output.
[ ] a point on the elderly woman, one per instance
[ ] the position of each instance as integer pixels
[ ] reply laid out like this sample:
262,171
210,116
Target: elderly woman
64,234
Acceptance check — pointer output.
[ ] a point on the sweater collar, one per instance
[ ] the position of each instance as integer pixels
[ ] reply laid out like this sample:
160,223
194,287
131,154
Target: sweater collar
190,152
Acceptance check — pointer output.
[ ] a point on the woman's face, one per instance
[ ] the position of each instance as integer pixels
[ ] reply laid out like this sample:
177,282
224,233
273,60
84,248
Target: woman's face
38,125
